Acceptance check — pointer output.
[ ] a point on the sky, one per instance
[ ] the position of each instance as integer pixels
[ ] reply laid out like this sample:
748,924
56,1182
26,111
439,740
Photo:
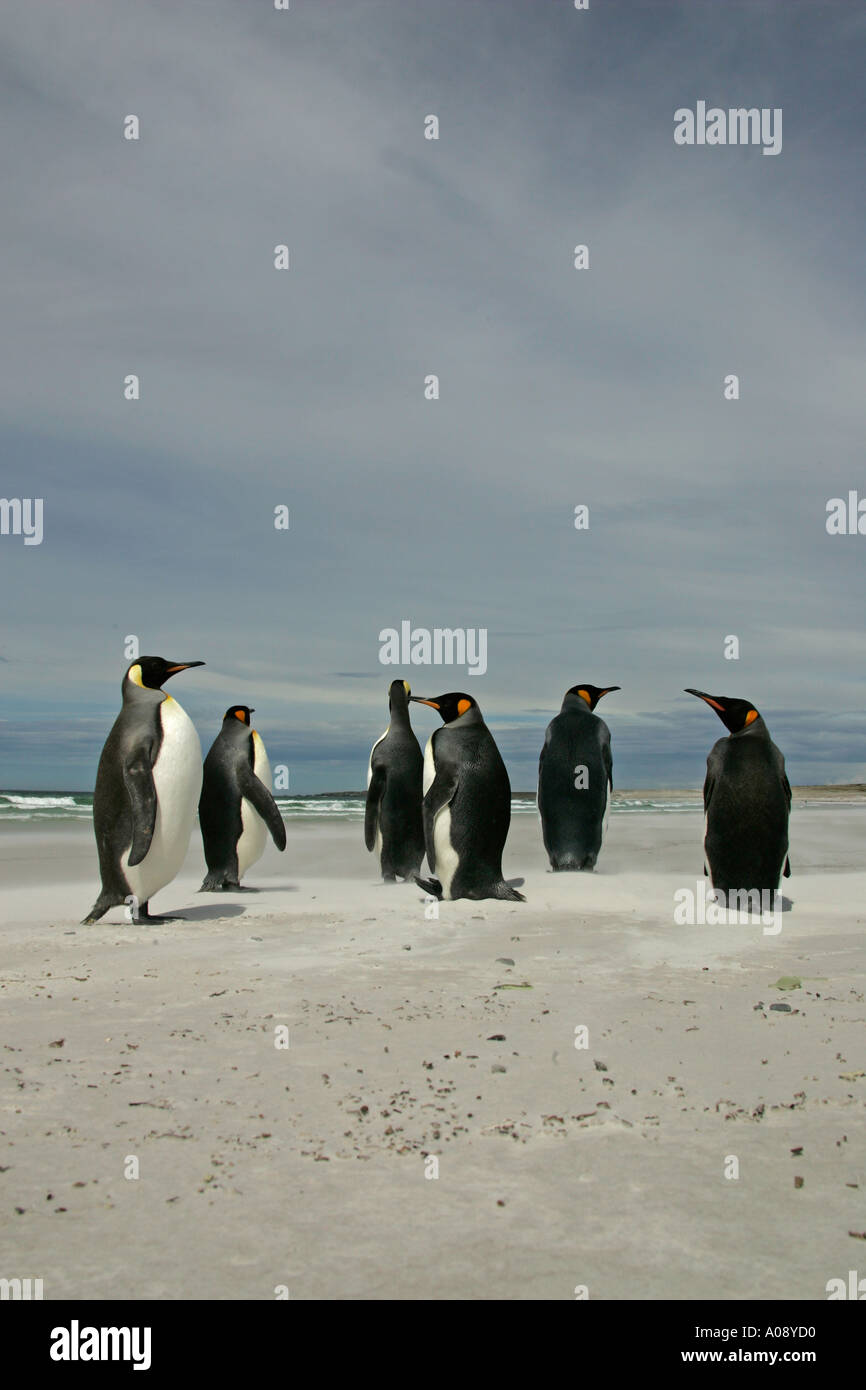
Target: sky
410,257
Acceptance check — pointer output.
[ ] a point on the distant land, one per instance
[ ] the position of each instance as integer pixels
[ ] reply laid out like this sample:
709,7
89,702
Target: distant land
620,793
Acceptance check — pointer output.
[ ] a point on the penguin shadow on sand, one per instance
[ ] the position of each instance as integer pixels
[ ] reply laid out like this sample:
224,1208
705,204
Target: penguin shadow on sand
208,913
217,909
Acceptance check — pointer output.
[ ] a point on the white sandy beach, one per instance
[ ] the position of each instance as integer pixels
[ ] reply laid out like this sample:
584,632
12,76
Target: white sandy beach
558,1166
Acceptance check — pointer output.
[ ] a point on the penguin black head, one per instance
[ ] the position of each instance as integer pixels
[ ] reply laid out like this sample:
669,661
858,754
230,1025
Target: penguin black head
153,671
450,706
592,693
240,712
399,694
736,715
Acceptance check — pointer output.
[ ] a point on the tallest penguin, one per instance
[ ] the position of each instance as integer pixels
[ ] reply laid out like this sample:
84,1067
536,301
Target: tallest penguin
147,787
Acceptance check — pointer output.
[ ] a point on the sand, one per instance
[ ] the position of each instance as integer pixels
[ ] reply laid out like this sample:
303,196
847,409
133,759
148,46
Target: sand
306,1167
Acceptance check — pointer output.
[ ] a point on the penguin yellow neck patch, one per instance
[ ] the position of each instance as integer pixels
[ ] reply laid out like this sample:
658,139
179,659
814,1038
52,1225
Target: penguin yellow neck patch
135,675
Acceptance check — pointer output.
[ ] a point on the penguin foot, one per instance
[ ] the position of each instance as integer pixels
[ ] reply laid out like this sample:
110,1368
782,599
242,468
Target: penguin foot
430,885
505,890
218,883
99,909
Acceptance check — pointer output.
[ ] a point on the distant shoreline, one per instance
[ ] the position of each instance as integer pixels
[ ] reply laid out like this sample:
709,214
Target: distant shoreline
620,793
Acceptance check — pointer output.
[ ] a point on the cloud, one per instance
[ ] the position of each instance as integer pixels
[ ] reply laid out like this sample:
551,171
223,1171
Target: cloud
408,256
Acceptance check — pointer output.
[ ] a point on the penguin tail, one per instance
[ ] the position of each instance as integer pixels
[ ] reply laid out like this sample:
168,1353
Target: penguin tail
572,863
430,885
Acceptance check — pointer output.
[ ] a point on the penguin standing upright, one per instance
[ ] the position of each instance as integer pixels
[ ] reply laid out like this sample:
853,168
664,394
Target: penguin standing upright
575,779
747,801
467,804
147,786
236,809
392,821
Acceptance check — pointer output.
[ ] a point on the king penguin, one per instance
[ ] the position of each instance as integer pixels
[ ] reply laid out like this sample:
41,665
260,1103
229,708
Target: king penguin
747,800
236,809
575,779
393,826
147,786
467,804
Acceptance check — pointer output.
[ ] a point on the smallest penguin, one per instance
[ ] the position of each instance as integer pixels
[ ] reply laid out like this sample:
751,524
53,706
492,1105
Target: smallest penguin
237,808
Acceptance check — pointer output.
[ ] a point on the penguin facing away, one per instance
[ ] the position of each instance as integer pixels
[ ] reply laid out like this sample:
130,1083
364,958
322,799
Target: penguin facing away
237,808
575,780
467,804
147,787
747,801
393,824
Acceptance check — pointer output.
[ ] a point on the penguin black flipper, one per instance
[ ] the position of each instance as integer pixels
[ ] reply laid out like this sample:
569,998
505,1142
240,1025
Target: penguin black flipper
260,797
714,766
138,780
375,792
431,886
607,760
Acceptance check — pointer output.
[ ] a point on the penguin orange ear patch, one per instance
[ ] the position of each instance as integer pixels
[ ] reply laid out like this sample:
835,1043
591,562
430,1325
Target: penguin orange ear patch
463,706
239,714
751,716
585,694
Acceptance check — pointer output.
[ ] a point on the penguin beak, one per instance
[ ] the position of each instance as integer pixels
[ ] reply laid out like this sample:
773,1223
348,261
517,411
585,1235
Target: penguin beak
181,666
608,688
708,698
419,700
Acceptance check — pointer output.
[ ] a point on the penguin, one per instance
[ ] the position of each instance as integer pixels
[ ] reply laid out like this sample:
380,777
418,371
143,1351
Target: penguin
236,809
575,780
393,824
467,804
147,787
747,801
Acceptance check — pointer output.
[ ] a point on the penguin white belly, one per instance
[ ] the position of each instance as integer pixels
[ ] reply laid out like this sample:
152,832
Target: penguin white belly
254,833
429,767
372,751
447,861
177,776
605,815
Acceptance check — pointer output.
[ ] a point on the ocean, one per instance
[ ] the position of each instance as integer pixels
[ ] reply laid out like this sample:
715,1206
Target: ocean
16,806
341,806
